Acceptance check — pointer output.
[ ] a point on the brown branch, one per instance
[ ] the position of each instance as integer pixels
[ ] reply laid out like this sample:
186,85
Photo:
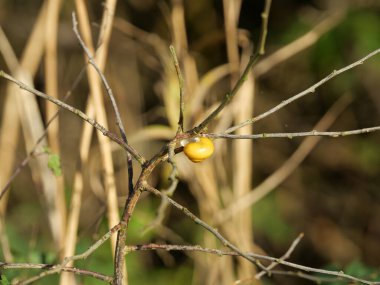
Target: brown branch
25,161
313,133
338,275
79,113
181,91
54,269
119,122
310,90
198,221
253,59
169,191
287,168
131,202
285,256
122,235
77,271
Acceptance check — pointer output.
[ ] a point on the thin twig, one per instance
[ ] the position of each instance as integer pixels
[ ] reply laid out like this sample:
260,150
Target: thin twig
299,134
315,278
167,247
60,267
173,177
175,247
253,59
79,113
173,180
25,161
119,122
96,104
181,83
102,77
339,275
74,270
285,256
300,44
264,27
198,221
287,168
303,93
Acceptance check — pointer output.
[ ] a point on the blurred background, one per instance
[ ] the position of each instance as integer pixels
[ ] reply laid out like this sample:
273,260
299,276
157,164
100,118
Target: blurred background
260,194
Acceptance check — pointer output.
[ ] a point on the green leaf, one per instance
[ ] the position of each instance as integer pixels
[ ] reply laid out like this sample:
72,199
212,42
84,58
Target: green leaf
355,268
4,280
361,270
54,163
46,149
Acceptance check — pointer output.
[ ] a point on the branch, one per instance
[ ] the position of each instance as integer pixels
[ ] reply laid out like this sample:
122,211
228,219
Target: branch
25,161
264,27
53,269
167,247
198,221
131,202
169,191
340,275
295,135
112,98
79,113
181,93
129,207
303,93
300,44
74,270
287,168
253,59
285,256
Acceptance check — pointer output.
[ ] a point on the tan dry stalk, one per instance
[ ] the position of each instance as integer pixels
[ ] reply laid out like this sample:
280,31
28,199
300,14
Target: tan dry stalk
51,83
31,121
95,105
181,46
96,93
242,178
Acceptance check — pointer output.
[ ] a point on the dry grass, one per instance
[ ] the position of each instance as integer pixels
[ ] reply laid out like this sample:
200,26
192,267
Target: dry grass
222,190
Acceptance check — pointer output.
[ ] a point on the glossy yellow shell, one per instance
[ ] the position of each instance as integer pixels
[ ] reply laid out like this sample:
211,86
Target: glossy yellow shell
199,150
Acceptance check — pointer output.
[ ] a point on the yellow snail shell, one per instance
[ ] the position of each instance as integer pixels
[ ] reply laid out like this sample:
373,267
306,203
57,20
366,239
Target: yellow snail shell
199,150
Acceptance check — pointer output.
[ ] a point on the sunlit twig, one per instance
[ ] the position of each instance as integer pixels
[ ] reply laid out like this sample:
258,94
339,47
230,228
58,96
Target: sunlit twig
77,112
309,90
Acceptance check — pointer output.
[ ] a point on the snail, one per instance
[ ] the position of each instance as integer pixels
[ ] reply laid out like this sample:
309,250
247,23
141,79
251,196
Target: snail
198,149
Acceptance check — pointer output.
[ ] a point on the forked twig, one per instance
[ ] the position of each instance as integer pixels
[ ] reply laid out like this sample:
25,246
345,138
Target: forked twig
252,256
303,93
173,178
287,168
25,161
198,221
339,275
169,191
74,270
60,267
253,59
285,256
169,153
